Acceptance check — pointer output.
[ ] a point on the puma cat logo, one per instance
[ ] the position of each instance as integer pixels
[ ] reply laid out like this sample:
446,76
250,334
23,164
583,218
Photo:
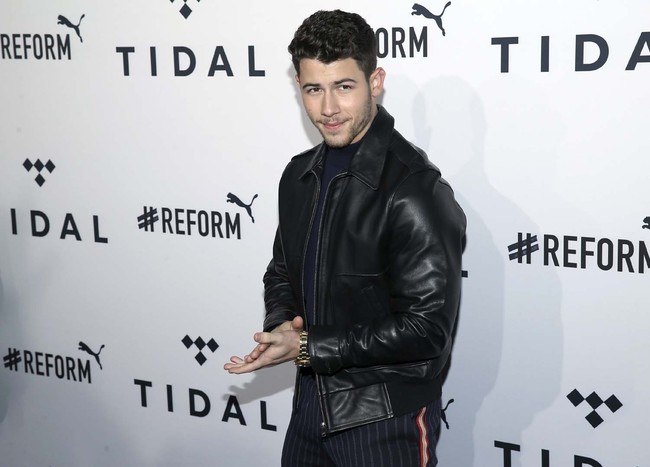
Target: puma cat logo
443,414
647,223
234,199
422,11
87,349
66,22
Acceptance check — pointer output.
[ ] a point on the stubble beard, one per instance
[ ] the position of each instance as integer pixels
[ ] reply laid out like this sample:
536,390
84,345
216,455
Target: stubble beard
341,141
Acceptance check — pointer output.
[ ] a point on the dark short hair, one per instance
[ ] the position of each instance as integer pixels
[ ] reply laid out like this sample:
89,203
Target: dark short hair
328,36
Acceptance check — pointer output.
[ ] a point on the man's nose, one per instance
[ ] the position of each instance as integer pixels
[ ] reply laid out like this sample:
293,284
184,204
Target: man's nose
329,105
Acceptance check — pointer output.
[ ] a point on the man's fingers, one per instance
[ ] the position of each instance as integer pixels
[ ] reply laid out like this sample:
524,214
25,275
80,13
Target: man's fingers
243,367
236,369
272,348
236,362
266,338
257,351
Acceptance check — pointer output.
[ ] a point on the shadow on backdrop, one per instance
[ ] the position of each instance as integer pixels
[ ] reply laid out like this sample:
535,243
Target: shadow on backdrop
506,362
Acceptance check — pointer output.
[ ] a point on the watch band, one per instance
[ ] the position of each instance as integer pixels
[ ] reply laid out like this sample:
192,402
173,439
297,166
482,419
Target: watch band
303,351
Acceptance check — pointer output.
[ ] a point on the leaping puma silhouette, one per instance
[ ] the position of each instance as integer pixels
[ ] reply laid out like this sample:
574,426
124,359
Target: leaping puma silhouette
234,199
443,414
420,10
86,349
66,22
647,223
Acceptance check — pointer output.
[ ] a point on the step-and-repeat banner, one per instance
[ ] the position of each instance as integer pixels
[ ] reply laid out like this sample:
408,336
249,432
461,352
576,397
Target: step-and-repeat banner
141,144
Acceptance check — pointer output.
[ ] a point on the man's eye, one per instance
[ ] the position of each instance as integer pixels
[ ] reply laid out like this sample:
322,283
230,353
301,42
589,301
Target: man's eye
313,90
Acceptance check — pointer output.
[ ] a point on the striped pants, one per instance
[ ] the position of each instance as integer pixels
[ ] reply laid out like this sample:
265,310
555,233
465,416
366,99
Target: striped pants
405,441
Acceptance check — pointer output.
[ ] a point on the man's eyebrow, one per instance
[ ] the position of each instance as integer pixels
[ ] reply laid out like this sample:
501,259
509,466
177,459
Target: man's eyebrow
335,83
345,80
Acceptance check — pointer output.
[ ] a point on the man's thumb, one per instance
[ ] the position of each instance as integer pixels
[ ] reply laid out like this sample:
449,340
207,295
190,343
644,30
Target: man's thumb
297,324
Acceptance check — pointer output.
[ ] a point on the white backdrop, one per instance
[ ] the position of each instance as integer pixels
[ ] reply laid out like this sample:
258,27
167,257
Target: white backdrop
208,109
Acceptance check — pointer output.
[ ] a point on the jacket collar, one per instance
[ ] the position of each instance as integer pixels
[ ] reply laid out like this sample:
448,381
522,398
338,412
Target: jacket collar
368,162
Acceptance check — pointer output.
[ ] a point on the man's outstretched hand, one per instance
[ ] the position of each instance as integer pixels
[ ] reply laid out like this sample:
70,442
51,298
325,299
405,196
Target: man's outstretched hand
273,348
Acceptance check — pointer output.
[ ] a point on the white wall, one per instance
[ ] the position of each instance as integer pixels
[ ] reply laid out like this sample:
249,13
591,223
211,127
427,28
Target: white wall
560,154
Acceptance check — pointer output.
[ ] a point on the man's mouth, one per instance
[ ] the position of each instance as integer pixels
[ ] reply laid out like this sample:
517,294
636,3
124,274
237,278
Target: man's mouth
332,126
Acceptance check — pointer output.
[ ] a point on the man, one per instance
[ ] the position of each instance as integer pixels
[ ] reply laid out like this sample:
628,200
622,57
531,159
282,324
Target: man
363,288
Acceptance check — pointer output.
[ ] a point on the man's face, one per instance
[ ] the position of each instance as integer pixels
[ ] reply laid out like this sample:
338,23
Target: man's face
338,98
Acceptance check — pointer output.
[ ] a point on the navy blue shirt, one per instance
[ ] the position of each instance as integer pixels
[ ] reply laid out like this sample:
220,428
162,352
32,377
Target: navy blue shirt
336,162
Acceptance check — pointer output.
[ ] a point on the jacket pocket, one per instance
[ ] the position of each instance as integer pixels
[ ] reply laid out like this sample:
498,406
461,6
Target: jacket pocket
357,406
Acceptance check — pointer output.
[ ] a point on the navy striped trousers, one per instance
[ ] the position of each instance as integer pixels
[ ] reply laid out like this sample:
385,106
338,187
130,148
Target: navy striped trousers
405,441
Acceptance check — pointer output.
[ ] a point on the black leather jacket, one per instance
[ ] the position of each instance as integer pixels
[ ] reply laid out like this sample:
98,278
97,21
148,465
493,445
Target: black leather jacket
388,274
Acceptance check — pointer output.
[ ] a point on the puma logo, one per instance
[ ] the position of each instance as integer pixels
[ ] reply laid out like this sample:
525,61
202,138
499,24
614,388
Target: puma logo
422,11
87,349
443,414
234,199
647,223
66,22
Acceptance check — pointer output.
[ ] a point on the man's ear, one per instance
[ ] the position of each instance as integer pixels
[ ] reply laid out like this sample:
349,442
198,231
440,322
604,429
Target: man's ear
377,81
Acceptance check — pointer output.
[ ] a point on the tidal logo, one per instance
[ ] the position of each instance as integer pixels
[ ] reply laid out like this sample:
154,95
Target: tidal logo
185,61
419,10
39,166
200,344
582,42
594,401
646,223
545,461
83,347
66,22
185,10
570,251
40,226
234,199
201,406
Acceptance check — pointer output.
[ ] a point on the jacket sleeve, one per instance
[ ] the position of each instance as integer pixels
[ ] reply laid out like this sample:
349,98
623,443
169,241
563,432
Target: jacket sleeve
426,239
278,295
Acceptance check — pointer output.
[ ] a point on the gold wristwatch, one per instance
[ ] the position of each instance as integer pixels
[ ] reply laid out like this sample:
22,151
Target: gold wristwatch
303,355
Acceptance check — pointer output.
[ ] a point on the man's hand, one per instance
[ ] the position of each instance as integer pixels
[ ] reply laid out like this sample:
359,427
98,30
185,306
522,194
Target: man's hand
273,348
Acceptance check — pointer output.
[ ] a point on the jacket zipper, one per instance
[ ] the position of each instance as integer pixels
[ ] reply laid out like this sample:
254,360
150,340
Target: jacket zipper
304,250
302,265
318,383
